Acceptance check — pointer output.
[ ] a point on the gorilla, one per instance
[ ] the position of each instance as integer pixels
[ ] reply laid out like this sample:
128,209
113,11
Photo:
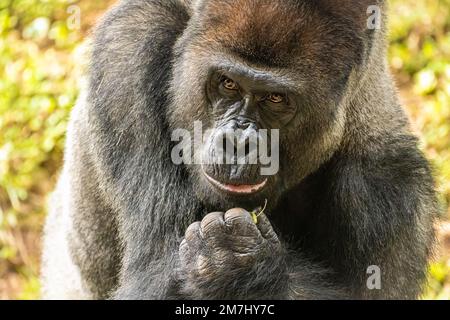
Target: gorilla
352,191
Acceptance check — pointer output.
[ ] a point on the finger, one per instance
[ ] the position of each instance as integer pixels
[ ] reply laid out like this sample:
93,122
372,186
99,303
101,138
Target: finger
191,244
184,253
240,222
193,237
212,225
204,266
266,229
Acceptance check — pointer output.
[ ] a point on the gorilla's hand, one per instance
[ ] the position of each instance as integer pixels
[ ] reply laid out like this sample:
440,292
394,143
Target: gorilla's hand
229,251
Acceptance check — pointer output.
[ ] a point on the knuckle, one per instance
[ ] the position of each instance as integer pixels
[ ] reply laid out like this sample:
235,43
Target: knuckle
185,254
237,215
240,223
192,232
212,221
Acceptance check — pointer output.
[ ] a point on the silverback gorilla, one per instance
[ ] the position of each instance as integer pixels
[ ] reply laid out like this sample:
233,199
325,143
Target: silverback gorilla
352,190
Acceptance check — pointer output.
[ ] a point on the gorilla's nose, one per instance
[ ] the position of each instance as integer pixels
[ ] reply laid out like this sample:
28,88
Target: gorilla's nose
239,141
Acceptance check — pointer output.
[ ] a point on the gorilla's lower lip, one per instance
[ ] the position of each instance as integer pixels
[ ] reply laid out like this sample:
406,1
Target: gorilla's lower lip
236,189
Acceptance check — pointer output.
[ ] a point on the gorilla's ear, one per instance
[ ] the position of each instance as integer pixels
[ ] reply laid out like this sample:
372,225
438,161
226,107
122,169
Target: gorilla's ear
359,11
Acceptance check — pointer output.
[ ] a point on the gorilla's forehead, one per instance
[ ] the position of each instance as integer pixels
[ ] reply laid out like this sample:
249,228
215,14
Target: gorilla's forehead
271,33
263,32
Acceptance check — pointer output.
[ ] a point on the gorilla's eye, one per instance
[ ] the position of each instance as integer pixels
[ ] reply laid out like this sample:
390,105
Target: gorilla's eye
229,84
275,98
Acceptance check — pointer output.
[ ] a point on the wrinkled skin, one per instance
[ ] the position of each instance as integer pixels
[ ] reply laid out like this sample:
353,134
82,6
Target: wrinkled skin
229,243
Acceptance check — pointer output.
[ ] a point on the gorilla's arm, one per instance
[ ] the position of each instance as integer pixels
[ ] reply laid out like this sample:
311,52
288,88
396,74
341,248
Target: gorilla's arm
375,206
127,100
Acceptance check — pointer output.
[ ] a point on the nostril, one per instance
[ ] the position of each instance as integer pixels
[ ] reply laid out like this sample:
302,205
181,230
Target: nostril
234,146
227,142
247,147
245,123
224,142
228,148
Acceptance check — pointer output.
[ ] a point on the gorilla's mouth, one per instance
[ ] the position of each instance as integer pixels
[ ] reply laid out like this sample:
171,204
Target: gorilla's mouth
240,189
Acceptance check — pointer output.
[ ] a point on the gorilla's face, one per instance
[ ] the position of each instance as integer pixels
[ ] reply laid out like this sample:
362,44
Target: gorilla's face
255,68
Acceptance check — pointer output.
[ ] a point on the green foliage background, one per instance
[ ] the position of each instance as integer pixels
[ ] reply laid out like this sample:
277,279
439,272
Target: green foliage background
39,73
